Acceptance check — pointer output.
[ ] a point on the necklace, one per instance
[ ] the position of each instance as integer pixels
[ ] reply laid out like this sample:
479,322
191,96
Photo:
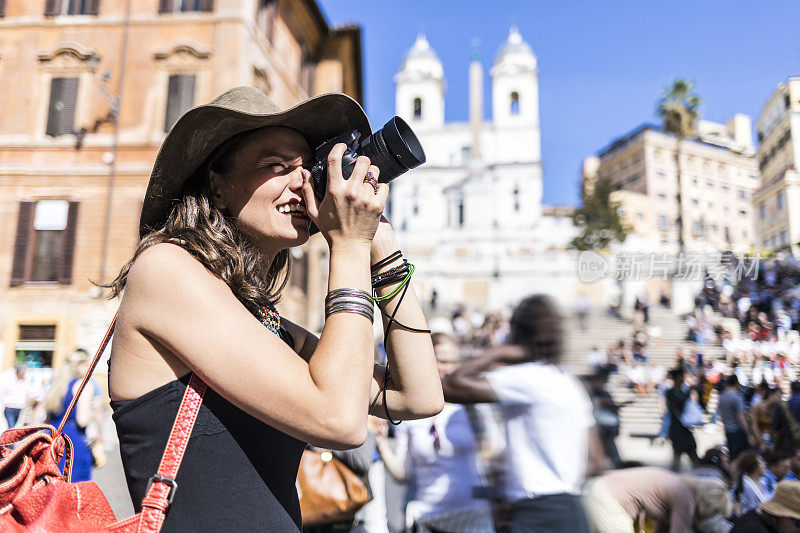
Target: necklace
270,318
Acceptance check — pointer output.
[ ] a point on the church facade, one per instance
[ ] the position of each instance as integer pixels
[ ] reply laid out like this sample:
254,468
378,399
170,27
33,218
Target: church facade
472,218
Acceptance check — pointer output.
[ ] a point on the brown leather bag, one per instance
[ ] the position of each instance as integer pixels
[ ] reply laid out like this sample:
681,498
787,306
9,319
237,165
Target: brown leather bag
329,491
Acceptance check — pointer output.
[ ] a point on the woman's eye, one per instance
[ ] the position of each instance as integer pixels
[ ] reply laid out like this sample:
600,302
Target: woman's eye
277,167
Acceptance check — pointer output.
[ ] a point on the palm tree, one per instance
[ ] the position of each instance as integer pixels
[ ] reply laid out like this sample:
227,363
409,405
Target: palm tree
678,108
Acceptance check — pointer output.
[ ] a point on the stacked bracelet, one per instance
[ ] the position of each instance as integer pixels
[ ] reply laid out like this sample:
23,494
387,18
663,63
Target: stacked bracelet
349,301
393,275
386,261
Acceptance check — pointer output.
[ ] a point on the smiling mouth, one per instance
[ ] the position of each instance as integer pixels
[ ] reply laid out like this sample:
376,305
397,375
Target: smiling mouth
293,210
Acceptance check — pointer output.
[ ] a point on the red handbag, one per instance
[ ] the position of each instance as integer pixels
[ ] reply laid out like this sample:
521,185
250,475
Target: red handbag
36,496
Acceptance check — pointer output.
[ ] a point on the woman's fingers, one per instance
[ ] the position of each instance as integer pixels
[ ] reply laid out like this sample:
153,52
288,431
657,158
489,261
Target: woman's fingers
310,199
335,178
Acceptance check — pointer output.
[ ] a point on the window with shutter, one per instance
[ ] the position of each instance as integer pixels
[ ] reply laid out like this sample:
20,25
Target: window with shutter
166,6
299,272
2,8
180,97
306,71
51,223
67,255
267,10
52,8
22,243
61,115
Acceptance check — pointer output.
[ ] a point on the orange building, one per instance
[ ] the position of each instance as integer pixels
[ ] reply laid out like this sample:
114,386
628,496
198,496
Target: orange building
89,88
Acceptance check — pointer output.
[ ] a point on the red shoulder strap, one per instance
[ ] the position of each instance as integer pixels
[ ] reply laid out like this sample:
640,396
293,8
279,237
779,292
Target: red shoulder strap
86,377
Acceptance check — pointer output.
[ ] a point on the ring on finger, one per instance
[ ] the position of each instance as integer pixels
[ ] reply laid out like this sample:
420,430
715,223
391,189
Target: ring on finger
370,178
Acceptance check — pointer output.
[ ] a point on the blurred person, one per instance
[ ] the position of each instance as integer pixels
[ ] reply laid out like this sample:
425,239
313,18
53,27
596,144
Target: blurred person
637,377
582,308
683,441
761,418
230,195
548,419
672,502
748,491
655,374
597,358
794,466
732,411
780,514
778,465
715,463
15,395
786,420
606,415
440,455
57,399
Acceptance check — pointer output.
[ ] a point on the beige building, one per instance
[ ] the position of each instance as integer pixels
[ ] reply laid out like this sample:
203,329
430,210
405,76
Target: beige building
777,201
718,177
73,172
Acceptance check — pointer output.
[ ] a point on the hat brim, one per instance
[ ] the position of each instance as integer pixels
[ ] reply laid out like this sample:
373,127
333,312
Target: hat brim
779,509
202,129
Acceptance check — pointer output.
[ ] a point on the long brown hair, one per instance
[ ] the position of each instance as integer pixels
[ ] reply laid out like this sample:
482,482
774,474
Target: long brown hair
211,236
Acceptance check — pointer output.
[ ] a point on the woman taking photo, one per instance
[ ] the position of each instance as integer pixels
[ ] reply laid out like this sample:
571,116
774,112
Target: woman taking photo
229,194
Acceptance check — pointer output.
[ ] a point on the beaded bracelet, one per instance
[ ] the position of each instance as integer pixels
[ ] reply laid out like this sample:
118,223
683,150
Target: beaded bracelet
386,260
390,276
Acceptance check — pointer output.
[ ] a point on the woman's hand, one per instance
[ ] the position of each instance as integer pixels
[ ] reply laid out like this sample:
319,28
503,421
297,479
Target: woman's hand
350,209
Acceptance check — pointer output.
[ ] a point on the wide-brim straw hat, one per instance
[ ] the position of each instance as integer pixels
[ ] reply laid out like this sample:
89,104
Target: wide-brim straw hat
785,502
202,129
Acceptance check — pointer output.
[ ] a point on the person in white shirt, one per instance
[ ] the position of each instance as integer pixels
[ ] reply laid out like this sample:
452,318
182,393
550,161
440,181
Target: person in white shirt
14,395
548,418
598,359
441,452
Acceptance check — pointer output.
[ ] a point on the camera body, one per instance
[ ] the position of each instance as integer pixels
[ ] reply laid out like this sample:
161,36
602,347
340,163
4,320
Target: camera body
394,149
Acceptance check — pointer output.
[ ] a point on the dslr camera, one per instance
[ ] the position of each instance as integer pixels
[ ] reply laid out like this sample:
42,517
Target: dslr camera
394,149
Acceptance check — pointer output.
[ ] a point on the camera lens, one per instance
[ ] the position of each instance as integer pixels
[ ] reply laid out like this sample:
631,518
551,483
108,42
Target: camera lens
394,149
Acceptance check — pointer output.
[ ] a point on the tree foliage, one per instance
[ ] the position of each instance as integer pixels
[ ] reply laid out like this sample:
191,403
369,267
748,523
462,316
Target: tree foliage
679,108
598,218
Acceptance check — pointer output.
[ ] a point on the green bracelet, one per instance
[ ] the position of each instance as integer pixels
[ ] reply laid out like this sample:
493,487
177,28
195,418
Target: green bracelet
398,288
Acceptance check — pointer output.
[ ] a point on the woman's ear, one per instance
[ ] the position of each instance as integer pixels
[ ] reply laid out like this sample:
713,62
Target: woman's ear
217,199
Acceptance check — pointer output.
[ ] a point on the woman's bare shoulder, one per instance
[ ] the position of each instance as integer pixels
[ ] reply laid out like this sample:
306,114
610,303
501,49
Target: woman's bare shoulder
166,265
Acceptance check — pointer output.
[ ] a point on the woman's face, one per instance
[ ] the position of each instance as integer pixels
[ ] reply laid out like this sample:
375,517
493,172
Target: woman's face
263,189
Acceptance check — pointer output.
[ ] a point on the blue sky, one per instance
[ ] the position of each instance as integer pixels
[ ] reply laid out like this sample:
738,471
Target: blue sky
602,63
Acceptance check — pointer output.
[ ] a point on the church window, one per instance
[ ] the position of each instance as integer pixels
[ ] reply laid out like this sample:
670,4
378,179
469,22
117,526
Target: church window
417,108
514,109
460,209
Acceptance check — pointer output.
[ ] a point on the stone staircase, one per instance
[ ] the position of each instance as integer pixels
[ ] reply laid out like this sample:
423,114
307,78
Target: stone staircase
640,417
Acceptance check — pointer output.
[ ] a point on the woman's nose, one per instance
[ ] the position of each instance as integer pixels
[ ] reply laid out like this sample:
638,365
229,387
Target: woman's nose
298,177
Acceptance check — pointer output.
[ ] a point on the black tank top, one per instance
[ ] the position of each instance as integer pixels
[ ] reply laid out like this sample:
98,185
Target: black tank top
238,473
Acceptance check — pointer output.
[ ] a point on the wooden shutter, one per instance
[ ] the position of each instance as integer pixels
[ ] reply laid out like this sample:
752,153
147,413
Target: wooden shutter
206,5
180,97
22,243
68,245
93,7
63,96
165,6
51,7
269,9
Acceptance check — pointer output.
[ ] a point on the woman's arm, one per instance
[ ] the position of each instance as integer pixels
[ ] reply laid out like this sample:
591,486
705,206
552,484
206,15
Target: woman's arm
414,390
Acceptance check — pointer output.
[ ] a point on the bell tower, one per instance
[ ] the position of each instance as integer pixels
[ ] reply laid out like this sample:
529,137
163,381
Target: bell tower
420,86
